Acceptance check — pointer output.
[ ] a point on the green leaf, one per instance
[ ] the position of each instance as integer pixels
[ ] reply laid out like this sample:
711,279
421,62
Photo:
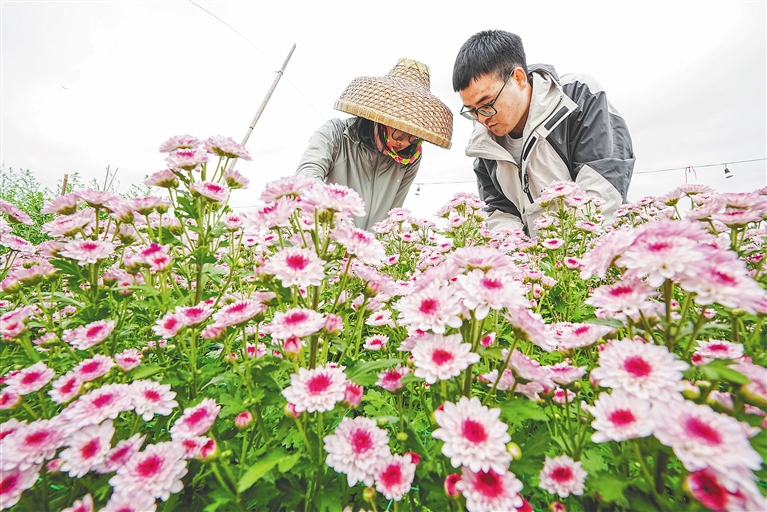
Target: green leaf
593,462
718,370
518,410
611,322
610,488
259,469
759,443
362,373
143,372
492,353
287,463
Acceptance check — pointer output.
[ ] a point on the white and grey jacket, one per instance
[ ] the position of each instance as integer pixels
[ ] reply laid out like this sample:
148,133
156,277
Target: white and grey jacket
572,133
336,155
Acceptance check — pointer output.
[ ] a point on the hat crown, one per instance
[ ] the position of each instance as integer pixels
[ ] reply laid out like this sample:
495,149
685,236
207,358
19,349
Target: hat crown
411,70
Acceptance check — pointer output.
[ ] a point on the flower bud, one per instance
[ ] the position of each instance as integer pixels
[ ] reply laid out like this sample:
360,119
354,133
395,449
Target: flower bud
557,506
333,324
514,450
54,466
292,347
414,457
369,494
402,436
290,410
382,421
353,394
209,450
690,391
450,483
243,420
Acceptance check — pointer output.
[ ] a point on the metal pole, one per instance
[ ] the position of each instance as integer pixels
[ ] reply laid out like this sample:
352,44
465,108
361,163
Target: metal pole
266,100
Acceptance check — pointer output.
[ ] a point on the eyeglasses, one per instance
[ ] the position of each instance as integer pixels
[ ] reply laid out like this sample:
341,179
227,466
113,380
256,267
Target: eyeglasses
399,135
487,110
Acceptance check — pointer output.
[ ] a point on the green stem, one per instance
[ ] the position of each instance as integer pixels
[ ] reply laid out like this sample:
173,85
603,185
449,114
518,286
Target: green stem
647,475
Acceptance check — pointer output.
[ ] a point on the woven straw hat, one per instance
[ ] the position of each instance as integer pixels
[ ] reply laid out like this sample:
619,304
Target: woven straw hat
402,100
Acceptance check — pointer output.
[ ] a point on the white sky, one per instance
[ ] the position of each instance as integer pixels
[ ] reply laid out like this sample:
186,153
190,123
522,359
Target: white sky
91,84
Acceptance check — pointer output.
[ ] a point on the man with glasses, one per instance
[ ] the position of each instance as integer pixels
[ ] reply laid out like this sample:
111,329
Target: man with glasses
377,153
533,127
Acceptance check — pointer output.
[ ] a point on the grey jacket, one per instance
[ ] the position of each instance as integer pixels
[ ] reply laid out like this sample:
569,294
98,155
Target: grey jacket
336,155
572,133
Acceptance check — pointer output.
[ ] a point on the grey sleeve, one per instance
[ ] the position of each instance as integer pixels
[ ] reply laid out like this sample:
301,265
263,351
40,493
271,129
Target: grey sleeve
600,143
404,185
493,198
317,161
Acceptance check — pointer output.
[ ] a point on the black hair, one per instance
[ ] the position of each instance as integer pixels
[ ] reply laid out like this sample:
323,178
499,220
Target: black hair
367,132
490,52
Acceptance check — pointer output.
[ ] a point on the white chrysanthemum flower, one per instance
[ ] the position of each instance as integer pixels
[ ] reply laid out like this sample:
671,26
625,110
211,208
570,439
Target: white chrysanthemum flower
433,307
87,448
619,416
641,369
395,476
495,289
473,435
563,476
296,266
150,398
438,357
318,389
357,448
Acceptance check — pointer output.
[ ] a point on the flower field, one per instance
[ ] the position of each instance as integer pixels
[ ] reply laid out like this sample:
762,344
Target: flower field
167,353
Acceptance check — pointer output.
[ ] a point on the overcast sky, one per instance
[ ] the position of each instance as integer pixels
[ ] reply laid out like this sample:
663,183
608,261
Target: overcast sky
91,84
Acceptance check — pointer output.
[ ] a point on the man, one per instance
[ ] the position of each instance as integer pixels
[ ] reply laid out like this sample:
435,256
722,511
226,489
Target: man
533,128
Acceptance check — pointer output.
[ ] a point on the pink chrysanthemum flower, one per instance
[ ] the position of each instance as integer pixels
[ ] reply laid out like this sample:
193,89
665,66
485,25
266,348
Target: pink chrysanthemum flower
179,142
140,502
150,398
433,307
394,477
30,379
756,390
225,147
723,278
318,389
9,427
482,258
108,401
192,447
531,326
120,454
186,159
31,444
625,296
62,205
505,383
274,214
195,420
87,448
9,399
562,476
214,192
296,266
438,357
289,186
357,448
238,312
93,368
168,326
84,504
299,322
90,335
570,336
391,380
193,315
620,416
14,482
360,243
128,359
562,373
65,388
641,369
488,491
703,438
334,198
156,471
599,259
473,435
528,369
379,318
15,214
13,323
494,289
87,251
164,179
69,225
376,342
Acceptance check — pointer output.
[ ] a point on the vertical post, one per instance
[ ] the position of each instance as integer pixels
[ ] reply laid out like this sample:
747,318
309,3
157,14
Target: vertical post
64,185
266,100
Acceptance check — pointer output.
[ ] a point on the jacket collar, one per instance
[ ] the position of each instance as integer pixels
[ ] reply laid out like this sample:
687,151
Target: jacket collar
549,106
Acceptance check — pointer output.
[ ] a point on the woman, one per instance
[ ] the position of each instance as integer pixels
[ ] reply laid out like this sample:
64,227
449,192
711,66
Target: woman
378,152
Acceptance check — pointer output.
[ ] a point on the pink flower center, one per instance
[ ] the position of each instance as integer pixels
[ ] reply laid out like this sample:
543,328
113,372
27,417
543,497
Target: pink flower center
297,261
120,454
562,474
620,291
391,376
658,246
89,246
103,400
441,357
489,485
428,306
94,331
474,432
318,384
8,484
296,318
90,367
237,308
361,442
196,417
583,329
708,491
391,476
36,438
637,366
703,431
150,466
152,395
492,284
31,377
90,449
622,417
69,386
718,347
